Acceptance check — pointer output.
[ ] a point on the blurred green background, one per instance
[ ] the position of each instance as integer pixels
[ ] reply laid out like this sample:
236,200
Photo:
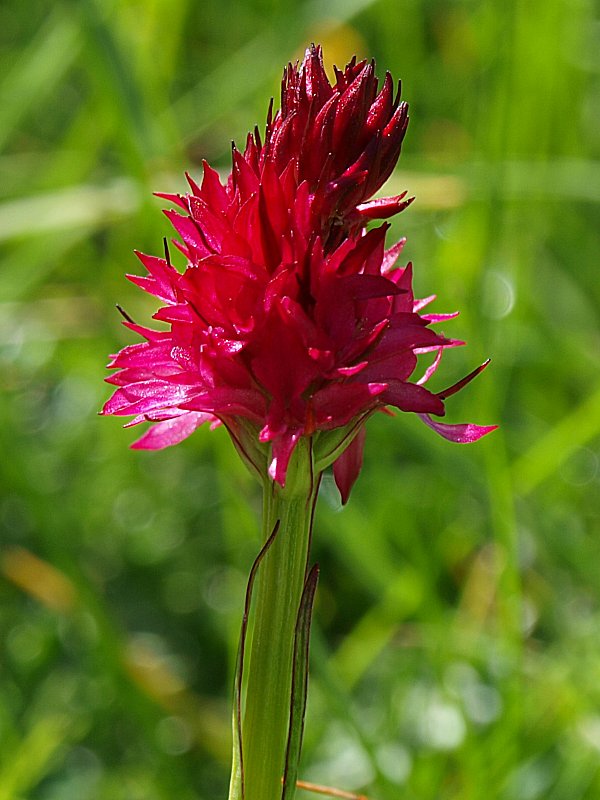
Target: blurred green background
456,648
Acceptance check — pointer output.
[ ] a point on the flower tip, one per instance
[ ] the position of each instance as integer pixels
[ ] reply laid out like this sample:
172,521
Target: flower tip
192,183
107,408
276,474
463,433
122,311
347,467
464,381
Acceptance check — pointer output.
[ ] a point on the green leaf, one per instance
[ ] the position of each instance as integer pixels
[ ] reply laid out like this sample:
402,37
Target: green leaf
236,786
299,685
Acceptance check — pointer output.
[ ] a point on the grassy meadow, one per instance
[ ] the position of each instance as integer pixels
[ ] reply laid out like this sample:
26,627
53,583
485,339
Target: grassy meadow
456,642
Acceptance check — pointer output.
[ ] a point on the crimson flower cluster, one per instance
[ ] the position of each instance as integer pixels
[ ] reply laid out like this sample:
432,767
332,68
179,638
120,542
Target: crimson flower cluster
290,319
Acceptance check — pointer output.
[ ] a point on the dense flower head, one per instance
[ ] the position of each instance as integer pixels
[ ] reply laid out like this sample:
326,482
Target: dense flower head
290,319
344,140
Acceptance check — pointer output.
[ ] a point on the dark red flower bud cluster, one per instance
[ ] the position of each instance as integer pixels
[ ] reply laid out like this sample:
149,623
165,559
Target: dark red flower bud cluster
344,139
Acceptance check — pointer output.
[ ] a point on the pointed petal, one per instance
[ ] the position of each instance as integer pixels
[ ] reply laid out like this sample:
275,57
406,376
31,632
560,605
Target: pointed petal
346,468
177,199
171,431
247,403
282,448
391,256
464,433
338,403
383,207
433,318
146,396
411,397
431,369
213,190
456,387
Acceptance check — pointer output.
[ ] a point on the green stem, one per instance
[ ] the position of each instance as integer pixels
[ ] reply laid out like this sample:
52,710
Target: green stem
278,591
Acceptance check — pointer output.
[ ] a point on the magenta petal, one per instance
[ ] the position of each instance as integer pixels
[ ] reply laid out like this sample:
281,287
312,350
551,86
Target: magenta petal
171,431
462,433
398,366
391,256
282,449
146,396
383,207
336,404
172,198
456,387
411,397
433,318
432,368
346,468
147,333
424,301
212,189
246,403
188,231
